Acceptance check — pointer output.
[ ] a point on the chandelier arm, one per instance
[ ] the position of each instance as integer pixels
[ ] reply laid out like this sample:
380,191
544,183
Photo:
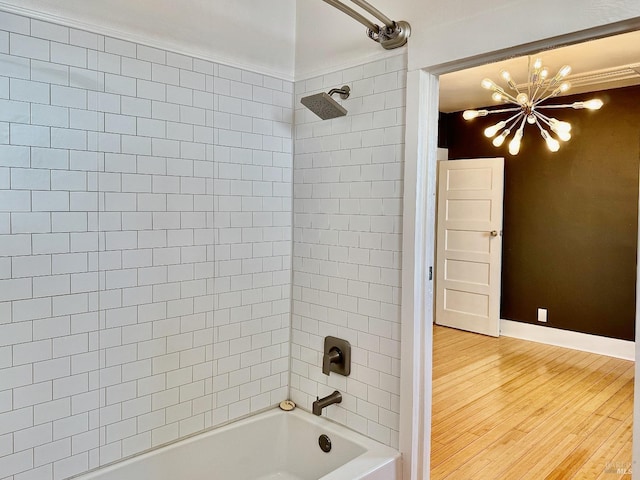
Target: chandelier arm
524,119
503,110
540,126
551,95
535,94
509,97
516,118
542,117
533,100
568,105
513,116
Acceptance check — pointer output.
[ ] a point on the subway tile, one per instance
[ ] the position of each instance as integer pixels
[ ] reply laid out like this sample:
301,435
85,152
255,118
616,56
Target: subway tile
18,376
121,85
49,116
179,61
52,452
15,67
14,245
16,463
34,394
14,111
68,139
136,68
165,74
30,47
137,107
48,72
80,77
83,39
68,55
120,47
151,54
50,201
27,91
71,466
31,310
15,23
49,31
15,289
107,62
29,135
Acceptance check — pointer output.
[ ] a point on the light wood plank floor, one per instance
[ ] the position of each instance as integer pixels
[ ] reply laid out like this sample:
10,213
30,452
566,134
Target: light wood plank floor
508,409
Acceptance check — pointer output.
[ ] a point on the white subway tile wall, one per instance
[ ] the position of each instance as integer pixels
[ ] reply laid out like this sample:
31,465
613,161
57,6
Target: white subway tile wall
145,247
348,187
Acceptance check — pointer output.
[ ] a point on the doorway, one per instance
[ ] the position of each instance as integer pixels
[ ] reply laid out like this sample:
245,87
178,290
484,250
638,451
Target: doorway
546,162
422,106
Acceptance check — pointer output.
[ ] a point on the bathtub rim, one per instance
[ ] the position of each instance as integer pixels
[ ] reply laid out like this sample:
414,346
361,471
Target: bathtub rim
375,456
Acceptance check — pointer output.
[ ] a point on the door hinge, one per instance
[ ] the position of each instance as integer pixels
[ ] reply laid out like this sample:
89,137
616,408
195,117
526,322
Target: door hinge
430,273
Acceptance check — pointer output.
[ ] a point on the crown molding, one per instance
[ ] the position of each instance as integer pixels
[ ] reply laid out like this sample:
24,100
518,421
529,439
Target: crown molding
598,78
142,40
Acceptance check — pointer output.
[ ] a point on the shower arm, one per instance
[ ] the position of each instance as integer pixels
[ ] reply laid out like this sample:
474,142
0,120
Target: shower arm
392,35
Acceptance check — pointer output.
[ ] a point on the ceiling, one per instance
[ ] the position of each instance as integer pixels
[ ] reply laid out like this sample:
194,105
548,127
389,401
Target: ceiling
601,64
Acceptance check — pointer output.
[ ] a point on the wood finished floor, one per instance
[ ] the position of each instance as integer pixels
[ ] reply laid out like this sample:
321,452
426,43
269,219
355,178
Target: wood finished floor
508,409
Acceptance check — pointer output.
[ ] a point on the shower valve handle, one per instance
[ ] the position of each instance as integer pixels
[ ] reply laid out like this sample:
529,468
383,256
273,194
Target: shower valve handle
334,356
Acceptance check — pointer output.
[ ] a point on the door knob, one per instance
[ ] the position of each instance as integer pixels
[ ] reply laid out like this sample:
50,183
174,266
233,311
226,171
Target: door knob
493,233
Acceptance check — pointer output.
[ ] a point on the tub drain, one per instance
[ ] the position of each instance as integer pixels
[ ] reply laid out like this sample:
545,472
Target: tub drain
325,443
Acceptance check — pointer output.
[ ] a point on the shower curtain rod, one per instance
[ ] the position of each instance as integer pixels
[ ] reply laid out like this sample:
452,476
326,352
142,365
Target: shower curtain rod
392,35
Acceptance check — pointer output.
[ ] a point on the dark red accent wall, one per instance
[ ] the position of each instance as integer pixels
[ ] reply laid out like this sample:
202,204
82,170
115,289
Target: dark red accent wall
570,217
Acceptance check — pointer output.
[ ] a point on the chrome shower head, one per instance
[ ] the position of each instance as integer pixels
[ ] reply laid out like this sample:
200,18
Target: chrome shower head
326,107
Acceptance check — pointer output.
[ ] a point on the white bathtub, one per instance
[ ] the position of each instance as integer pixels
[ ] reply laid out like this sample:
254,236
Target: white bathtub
275,445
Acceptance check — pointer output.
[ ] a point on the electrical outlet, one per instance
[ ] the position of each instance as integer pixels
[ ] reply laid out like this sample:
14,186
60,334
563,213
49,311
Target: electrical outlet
542,315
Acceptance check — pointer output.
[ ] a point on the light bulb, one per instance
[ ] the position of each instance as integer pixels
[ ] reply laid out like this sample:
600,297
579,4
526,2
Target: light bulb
537,64
552,143
496,96
564,71
488,84
594,104
506,76
559,125
522,98
499,140
531,119
471,114
514,144
561,89
544,73
492,130
563,135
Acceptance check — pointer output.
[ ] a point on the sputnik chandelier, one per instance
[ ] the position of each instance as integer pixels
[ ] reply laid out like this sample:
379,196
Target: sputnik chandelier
529,99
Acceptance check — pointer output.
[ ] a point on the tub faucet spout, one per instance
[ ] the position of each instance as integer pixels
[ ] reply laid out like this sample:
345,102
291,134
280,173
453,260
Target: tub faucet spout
320,403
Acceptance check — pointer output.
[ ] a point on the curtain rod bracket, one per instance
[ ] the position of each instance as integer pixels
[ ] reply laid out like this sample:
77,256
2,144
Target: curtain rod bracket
391,38
391,35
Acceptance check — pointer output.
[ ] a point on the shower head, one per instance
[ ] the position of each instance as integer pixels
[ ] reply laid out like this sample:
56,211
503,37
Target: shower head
326,107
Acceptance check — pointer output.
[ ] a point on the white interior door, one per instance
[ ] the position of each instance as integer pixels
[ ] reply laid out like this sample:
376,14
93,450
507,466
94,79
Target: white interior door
469,244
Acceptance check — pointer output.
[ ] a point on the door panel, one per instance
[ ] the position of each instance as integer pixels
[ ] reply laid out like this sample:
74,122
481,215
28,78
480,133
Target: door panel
469,244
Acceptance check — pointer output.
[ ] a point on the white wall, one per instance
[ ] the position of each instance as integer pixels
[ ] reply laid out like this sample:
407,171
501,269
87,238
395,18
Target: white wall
145,247
348,190
252,34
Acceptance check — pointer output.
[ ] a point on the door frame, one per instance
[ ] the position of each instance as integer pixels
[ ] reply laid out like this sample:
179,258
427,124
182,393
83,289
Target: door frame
419,226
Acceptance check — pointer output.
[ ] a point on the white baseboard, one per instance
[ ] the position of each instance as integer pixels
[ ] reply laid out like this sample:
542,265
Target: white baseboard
611,347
